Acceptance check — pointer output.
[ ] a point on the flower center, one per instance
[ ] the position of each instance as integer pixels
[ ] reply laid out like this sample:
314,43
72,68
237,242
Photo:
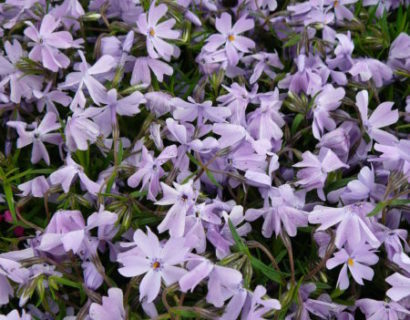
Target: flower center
231,37
184,197
152,32
156,265
350,262
336,3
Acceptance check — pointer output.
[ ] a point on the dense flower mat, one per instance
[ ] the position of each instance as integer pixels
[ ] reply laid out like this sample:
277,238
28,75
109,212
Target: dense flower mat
204,159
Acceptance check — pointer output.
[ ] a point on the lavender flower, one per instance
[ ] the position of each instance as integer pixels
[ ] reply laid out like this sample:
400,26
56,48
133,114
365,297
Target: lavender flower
348,218
182,198
381,117
230,37
156,261
155,33
41,133
357,260
316,169
85,76
66,174
374,309
47,43
111,308
150,171
400,286
284,212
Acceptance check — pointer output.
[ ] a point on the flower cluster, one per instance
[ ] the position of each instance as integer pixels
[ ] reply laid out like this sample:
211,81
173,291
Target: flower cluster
204,159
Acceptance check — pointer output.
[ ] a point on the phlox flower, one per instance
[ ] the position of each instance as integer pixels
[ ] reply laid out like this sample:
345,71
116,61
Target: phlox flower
47,43
36,187
357,261
229,37
155,32
328,100
41,133
316,168
127,106
382,116
382,310
400,286
85,76
81,130
112,306
21,85
284,213
353,225
66,174
149,171
155,260
182,198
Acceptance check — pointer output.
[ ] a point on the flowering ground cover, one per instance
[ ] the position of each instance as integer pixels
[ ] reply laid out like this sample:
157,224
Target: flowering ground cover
204,159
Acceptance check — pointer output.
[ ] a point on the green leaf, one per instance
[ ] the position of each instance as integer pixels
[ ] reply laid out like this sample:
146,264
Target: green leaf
238,241
293,41
296,123
381,205
268,271
212,178
66,282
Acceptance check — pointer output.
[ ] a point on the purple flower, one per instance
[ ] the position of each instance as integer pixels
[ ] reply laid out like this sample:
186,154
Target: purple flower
316,169
49,98
21,85
230,37
259,306
366,69
343,51
143,67
112,306
354,227
264,64
328,100
338,140
154,260
395,156
69,11
127,106
382,116
221,236
15,315
80,130
10,270
68,172
41,133
149,171
158,102
69,223
47,43
189,111
223,282
364,187
285,211
85,76
155,33
382,310
357,260
36,187
307,79
266,121
182,198
400,286
237,100
399,54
